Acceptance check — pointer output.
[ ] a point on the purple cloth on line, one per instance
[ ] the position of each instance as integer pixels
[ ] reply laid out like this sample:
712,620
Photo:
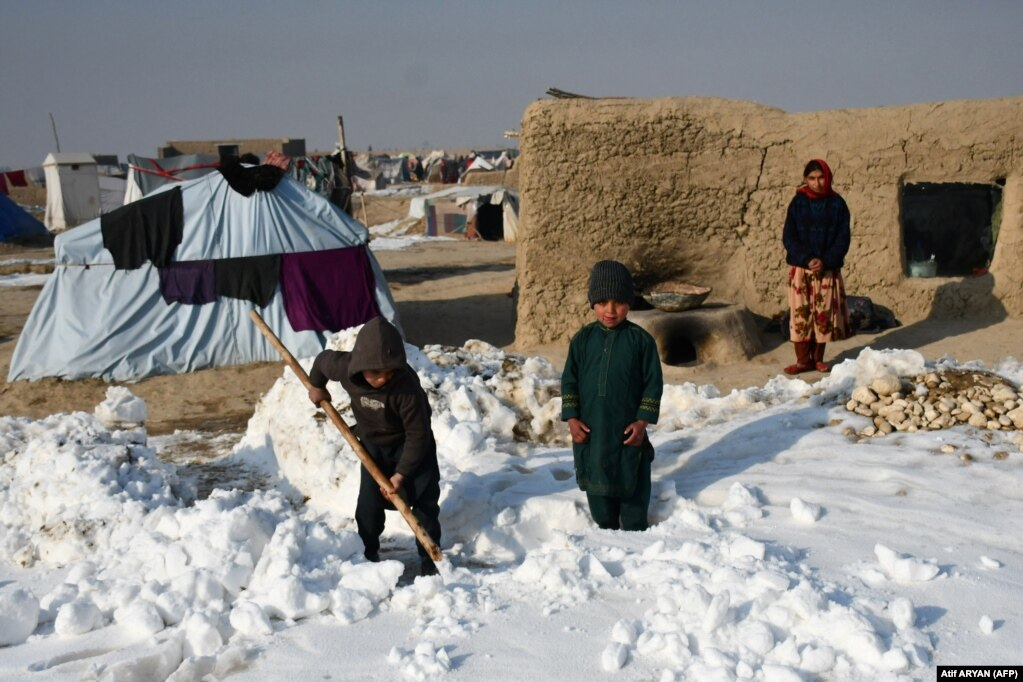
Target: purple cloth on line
188,282
328,290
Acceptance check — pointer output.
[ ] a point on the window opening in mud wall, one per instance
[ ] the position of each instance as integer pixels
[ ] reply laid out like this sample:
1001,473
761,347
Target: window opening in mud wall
227,150
949,229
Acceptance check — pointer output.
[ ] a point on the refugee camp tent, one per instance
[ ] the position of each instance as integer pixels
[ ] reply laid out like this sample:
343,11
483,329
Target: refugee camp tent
97,316
16,223
486,212
72,190
111,192
145,174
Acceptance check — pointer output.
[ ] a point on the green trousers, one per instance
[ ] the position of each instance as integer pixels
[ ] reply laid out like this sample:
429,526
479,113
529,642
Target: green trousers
624,513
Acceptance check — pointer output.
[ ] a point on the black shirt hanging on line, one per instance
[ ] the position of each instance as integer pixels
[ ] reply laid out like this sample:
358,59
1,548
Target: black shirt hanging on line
149,229
253,278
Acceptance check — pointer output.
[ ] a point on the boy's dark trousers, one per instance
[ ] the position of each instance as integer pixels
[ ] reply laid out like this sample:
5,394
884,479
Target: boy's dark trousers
421,492
624,513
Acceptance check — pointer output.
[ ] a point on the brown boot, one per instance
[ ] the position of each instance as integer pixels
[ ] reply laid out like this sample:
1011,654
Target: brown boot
818,358
804,358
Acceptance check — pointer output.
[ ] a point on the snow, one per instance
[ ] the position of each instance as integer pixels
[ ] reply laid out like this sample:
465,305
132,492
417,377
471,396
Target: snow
24,280
783,545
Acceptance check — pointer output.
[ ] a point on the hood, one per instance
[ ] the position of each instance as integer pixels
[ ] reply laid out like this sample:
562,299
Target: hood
378,346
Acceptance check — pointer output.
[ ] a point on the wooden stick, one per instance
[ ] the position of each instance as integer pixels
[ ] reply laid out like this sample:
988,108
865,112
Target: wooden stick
383,481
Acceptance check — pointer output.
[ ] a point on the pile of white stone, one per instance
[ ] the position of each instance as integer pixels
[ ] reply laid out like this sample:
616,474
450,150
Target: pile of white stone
938,400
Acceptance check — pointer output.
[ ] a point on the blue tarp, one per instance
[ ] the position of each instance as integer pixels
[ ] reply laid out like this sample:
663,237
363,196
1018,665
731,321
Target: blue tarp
16,223
92,320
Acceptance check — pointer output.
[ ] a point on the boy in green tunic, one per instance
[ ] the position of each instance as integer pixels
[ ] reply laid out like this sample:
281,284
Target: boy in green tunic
610,392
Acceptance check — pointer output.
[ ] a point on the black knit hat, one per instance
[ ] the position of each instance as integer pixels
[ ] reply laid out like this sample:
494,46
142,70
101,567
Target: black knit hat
609,280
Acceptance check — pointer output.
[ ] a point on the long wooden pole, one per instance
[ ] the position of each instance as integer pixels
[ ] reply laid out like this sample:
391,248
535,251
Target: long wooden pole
347,163
383,481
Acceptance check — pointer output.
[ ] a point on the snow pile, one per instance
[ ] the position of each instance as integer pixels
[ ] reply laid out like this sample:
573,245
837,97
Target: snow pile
209,576
784,546
483,400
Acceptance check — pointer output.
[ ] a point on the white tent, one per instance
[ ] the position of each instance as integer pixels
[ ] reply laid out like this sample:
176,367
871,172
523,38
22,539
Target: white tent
72,190
111,193
93,319
451,211
146,175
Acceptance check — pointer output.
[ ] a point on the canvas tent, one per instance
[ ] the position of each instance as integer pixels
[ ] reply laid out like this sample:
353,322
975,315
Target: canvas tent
72,190
16,223
111,193
486,212
145,175
94,319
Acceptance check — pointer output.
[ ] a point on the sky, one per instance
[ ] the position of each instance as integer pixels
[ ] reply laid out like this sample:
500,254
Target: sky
786,543
124,77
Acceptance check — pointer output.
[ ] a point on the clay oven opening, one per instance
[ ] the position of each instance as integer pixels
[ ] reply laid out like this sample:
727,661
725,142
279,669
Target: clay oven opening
681,351
949,229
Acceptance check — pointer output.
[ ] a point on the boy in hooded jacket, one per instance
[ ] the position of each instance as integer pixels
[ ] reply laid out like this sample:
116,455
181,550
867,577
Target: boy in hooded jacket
392,416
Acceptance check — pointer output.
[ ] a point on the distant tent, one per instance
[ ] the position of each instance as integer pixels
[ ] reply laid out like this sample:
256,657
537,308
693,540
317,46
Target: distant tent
111,193
72,190
16,224
474,212
285,252
146,175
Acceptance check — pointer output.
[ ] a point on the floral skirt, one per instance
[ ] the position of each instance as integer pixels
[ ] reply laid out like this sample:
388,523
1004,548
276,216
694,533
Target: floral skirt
817,306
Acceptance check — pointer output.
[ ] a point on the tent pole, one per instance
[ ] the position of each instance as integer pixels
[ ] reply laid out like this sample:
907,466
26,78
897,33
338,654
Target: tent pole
53,124
345,161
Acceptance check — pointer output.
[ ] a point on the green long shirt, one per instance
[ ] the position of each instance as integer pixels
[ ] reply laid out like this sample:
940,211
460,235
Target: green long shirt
612,378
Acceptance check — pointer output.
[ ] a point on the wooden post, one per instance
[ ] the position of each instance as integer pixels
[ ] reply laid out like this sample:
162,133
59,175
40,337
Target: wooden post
424,538
53,124
346,161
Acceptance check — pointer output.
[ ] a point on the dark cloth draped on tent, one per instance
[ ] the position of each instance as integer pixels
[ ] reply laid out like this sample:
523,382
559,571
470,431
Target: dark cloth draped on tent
190,282
253,278
145,230
247,180
328,290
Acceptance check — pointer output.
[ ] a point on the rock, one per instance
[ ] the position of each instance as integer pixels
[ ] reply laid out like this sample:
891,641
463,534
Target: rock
886,384
948,449
864,395
893,413
1001,393
851,405
977,419
1016,416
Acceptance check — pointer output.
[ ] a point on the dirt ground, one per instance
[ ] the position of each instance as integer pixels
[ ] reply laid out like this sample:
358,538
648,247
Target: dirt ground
447,292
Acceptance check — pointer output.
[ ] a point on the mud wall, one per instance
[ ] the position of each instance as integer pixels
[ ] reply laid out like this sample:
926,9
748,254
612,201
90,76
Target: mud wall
697,188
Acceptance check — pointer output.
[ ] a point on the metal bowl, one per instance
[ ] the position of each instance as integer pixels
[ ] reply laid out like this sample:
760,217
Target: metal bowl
674,297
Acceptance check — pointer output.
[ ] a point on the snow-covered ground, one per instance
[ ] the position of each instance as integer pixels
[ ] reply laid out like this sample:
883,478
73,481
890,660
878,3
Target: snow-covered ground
25,279
784,546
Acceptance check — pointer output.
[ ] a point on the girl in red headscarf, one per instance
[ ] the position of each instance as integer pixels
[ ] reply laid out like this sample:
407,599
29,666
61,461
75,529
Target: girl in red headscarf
816,239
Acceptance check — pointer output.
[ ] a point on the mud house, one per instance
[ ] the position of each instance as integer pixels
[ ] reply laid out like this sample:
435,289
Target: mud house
696,188
289,146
